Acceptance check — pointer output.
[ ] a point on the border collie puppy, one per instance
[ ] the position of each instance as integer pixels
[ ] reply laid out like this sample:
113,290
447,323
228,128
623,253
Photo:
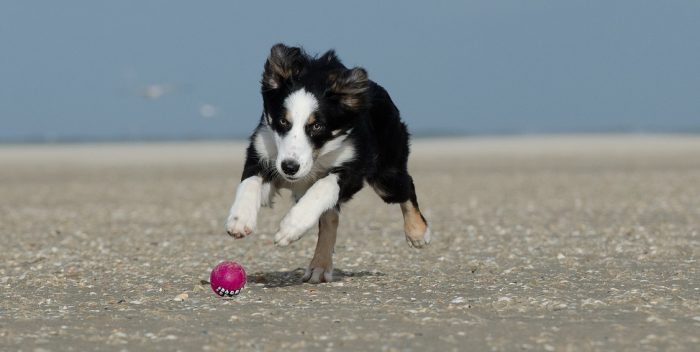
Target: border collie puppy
324,131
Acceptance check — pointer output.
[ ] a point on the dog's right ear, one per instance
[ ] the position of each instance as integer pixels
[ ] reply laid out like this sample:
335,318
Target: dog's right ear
350,86
283,63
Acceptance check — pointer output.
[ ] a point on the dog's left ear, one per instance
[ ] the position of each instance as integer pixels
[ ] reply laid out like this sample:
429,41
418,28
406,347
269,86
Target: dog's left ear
351,86
283,63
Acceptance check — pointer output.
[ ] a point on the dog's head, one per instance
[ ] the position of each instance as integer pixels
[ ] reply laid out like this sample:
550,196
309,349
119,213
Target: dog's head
310,103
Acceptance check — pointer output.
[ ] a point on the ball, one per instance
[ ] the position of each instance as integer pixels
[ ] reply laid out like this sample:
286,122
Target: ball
227,279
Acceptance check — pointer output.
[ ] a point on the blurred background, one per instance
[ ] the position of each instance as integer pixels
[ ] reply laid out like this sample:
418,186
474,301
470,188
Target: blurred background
160,70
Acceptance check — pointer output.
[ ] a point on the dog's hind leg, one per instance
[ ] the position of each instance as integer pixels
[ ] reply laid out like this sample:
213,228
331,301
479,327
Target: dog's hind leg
397,187
414,224
321,266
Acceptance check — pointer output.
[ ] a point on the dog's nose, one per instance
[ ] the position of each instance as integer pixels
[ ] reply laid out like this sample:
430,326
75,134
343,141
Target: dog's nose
290,166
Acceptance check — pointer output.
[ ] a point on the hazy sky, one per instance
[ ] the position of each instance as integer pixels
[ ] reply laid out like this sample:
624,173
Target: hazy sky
173,68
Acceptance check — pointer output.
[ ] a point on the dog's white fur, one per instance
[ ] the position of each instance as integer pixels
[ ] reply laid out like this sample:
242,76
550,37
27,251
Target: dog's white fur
313,196
243,216
265,144
295,145
321,196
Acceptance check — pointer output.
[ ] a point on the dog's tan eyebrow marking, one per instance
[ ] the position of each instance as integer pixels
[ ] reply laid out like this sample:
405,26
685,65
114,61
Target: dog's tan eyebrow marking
288,116
311,119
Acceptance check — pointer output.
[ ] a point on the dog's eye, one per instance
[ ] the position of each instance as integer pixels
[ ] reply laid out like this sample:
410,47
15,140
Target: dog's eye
316,127
284,122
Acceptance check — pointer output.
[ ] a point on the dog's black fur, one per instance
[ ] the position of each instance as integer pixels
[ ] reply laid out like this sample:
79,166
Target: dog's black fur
349,102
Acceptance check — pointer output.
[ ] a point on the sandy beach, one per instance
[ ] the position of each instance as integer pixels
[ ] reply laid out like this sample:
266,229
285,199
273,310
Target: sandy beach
555,243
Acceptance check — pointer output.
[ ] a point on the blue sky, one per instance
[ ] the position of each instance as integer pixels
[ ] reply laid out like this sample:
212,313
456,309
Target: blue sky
174,69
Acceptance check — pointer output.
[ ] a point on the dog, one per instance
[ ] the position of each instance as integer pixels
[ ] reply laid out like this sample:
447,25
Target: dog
325,130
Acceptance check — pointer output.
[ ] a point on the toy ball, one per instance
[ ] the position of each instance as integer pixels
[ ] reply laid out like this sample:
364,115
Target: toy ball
227,279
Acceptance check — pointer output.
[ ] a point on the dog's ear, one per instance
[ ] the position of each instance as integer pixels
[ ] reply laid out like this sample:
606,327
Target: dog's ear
351,87
329,58
283,63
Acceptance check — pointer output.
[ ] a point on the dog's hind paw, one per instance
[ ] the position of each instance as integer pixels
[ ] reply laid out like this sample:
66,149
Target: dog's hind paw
318,274
419,242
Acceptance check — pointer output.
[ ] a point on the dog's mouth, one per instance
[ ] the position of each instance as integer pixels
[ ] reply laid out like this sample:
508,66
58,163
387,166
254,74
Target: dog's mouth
288,178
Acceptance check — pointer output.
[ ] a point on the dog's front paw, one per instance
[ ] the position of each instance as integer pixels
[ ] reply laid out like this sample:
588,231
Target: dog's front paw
318,272
418,241
293,226
241,222
287,235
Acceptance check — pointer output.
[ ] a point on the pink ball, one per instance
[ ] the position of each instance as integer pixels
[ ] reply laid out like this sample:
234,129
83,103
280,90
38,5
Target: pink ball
227,279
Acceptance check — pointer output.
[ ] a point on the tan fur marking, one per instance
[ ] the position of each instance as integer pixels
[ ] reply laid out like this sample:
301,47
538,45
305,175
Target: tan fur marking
352,102
414,226
352,85
288,116
311,119
282,63
323,256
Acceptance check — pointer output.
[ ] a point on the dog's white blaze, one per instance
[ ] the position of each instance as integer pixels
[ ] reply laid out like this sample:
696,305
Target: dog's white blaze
300,104
322,195
295,144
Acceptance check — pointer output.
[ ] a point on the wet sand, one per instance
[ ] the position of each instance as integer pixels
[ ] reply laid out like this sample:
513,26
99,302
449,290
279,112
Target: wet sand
539,243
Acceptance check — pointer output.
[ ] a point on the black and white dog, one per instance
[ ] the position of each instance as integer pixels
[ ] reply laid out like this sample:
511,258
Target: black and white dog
325,130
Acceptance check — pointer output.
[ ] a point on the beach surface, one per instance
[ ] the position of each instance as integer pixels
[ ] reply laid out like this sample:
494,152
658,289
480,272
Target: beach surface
555,243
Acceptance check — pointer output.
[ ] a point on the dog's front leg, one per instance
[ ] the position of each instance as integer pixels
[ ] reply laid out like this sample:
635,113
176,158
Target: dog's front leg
244,211
321,196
